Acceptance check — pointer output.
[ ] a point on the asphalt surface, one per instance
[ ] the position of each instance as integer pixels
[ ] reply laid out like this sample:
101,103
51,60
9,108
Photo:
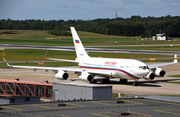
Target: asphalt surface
158,86
71,48
101,108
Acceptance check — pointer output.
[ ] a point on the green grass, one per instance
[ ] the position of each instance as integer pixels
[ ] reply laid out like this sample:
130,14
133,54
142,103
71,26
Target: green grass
175,82
159,60
174,48
46,42
52,64
122,55
34,55
41,37
38,55
174,75
177,76
29,34
46,64
115,95
43,34
171,95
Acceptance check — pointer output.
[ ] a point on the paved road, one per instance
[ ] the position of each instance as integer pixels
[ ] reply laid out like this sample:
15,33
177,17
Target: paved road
71,48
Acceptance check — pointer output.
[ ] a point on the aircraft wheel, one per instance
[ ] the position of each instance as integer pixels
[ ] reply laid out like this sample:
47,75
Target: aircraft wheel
105,81
123,81
94,81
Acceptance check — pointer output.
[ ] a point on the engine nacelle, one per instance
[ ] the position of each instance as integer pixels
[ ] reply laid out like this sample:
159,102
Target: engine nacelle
150,76
159,72
86,76
62,75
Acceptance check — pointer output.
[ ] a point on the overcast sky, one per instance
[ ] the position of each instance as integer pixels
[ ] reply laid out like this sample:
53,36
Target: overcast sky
86,9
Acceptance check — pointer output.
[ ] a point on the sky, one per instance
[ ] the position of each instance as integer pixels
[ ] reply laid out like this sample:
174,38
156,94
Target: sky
86,9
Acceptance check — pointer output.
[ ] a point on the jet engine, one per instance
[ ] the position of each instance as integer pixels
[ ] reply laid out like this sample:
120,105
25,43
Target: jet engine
62,75
86,76
150,76
159,72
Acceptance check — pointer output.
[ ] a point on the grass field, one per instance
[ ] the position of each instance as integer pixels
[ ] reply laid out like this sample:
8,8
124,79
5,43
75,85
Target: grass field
174,48
174,75
39,55
46,64
38,37
175,82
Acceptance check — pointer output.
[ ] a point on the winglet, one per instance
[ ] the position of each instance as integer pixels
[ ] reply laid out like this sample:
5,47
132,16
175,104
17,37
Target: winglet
175,58
6,62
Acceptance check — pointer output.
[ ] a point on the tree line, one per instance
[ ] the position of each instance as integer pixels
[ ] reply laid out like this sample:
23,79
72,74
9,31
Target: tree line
134,26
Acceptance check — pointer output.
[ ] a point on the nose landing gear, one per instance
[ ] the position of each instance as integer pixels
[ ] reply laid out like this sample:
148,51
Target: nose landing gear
136,83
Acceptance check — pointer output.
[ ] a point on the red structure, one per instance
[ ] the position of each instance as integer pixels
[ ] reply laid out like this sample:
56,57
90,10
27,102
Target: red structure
19,88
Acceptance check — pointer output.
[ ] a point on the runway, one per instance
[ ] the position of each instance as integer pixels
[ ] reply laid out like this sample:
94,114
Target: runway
90,49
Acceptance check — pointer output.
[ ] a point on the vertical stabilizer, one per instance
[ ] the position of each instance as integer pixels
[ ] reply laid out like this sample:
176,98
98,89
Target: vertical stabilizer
80,51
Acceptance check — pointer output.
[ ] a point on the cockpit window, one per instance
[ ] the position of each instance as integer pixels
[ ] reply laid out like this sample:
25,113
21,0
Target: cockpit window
144,67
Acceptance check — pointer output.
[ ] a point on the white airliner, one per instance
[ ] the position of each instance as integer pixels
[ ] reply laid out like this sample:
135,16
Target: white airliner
124,69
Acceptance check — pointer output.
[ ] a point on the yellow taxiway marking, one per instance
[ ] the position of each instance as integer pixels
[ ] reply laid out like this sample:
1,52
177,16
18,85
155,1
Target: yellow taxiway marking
110,104
75,105
6,110
168,112
63,116
102,103
161,102
12,108
43,106
57,115
37,105
100,115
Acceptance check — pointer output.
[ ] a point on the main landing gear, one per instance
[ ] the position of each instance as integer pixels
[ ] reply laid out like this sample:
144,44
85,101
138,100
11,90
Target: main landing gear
93,81
123,81
106,80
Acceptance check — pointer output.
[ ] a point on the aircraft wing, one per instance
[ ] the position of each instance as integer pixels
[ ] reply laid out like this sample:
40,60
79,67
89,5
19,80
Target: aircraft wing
76,70
154,66
44,68
65,60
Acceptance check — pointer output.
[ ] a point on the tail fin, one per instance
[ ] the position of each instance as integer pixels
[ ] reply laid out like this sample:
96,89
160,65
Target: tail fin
80,51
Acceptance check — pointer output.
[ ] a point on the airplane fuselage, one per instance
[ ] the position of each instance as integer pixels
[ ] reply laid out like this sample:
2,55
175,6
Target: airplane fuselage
120,68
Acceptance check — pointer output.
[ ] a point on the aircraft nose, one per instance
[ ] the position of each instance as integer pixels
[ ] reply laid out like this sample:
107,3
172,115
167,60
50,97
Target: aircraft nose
146,72
143,73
